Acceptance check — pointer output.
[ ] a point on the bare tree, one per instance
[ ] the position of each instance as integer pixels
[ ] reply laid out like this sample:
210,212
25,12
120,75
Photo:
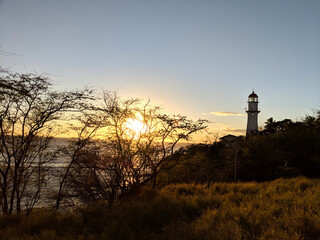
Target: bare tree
29,113
136,140
85,128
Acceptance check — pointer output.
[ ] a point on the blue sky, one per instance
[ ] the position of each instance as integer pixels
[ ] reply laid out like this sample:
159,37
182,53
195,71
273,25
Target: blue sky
190,57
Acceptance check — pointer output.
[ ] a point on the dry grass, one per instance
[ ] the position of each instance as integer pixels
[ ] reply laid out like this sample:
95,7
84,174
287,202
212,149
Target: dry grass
282,209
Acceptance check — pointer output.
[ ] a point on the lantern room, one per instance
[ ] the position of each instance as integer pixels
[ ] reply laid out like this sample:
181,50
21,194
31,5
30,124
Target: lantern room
253,97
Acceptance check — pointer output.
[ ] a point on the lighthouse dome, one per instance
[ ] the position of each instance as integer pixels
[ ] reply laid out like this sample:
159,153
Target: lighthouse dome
253,95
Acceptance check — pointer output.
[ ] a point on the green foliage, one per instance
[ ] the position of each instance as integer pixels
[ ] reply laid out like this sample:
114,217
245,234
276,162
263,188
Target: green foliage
282,209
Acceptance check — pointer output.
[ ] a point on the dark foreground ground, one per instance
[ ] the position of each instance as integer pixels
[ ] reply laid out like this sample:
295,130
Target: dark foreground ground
282,209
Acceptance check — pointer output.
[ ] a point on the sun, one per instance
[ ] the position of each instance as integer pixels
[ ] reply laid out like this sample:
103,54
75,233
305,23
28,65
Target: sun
135,126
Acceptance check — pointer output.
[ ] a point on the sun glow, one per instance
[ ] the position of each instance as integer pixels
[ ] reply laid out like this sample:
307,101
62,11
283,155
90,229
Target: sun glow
135,126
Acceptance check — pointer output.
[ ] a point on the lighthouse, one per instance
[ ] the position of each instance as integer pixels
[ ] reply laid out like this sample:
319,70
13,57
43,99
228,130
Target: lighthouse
252,124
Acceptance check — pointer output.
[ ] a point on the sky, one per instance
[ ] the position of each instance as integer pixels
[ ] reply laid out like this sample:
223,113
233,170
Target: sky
199,58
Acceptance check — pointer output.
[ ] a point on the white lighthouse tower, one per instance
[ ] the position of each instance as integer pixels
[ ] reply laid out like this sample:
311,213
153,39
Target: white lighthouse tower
252,125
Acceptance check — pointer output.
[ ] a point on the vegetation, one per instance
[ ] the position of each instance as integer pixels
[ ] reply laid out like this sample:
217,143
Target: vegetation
282,209
282,149
29,111
124,178
135,140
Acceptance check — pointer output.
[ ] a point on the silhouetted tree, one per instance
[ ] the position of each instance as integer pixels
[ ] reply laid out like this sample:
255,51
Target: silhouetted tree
29,111
125,158
283,149
85,128
270,126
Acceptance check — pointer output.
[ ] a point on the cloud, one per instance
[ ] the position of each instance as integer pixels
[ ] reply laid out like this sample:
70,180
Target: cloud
235,130
225,114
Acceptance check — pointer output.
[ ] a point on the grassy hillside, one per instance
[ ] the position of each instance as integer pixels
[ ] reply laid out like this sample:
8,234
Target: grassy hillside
282,209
